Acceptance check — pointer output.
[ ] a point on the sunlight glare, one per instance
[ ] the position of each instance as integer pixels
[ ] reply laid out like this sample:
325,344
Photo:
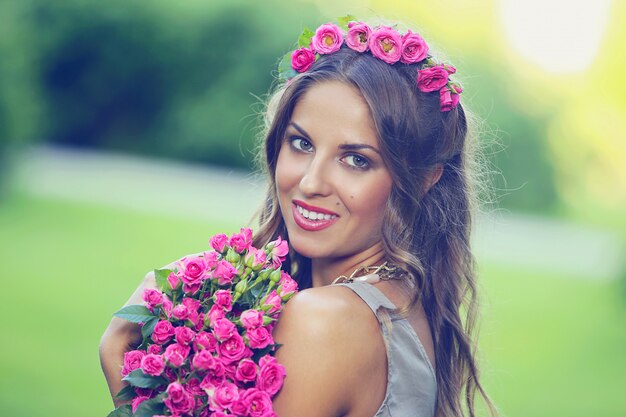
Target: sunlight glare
558,35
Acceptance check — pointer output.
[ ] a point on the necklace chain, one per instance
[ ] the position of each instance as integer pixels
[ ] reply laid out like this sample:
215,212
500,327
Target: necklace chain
386,271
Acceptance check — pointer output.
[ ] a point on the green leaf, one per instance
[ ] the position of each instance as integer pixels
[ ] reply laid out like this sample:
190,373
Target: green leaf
123,411
285,70
126,393
150,407
148,327
138,379
135,313
343,21
161,280
304,41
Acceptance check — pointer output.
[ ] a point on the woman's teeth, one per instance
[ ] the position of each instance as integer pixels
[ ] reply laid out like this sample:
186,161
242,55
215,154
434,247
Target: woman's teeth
311,215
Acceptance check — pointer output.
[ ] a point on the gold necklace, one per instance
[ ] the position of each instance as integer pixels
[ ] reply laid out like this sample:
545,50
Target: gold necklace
373,274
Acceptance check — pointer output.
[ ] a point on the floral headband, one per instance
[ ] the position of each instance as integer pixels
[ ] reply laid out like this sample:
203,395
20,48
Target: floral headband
384,43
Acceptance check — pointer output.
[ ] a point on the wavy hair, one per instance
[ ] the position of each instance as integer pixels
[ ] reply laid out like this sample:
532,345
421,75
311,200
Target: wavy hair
426,230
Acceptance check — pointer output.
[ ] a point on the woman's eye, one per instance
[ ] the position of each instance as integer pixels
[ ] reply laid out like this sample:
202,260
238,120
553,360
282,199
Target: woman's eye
357,161
301,144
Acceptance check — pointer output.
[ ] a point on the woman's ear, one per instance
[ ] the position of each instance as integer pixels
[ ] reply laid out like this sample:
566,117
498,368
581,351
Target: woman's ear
434,176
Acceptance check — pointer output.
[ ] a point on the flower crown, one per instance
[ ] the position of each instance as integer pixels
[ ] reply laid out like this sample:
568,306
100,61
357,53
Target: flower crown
384,43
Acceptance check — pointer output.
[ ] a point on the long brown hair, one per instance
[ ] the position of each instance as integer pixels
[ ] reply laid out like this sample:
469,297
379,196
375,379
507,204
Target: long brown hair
426,229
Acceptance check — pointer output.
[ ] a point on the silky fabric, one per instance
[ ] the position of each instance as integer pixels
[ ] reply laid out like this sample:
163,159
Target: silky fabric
411,381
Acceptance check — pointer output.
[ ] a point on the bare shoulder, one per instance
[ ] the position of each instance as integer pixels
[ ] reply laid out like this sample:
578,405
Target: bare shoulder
331,344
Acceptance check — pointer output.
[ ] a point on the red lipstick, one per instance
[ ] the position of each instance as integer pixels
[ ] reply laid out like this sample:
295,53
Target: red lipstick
308,224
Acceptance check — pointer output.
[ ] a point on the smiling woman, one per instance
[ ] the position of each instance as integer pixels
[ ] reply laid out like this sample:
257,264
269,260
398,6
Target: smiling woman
367,157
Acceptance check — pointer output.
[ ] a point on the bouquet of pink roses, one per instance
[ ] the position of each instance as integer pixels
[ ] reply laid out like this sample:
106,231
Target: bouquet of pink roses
207,347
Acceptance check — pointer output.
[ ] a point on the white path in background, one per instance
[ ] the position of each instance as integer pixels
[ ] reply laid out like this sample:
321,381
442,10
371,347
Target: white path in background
209,193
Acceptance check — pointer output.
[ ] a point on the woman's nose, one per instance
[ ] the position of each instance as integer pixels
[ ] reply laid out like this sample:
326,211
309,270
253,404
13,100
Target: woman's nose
315,179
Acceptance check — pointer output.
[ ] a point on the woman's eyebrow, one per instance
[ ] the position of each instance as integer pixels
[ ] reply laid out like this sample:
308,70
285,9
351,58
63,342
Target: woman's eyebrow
345,146
299,129
357,147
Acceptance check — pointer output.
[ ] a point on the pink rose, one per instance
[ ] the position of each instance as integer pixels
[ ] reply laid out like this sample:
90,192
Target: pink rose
302,59
152,297
132,361
223,299
259,337
280,250
224,272
272,303
180,312
215,375
152,365
218,242
257,402
327,39
224,396
251,318
154,349
447,99
163,331
224,329
215,313
174,280
232,349
137,401
288,286
176,354
193,270
238,408
386,44
239,242
414,48
167,306
203,360
358,36
210,258
432,78
205,340
255,259
178,399
184,335
271,375
246,371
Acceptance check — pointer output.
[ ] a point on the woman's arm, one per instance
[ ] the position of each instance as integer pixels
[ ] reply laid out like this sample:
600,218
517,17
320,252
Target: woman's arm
120,337
333,354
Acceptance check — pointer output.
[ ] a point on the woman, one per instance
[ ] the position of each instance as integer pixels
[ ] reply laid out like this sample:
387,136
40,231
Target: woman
367,156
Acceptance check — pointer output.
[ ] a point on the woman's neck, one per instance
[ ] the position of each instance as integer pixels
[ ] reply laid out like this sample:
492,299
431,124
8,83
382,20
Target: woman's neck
324,271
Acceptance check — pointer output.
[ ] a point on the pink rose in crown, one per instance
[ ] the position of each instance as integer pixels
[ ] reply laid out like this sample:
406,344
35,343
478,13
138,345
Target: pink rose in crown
327,39
358,36
432,78
386,44
302,59
448,99
414,48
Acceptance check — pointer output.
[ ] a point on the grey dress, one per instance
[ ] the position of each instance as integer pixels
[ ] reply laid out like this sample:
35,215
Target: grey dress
411,381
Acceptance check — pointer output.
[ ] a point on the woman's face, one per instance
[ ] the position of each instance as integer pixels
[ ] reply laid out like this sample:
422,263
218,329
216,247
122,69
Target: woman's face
331,180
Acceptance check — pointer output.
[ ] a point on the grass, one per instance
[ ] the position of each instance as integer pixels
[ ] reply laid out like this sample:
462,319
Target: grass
552,346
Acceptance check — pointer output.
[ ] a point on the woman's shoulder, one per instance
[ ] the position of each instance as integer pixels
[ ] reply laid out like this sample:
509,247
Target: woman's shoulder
330,347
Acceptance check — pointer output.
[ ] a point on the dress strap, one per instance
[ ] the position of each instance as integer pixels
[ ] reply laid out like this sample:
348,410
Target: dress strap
370,294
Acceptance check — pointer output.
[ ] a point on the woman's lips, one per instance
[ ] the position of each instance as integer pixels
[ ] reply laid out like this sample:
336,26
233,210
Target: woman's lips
312,225
314,208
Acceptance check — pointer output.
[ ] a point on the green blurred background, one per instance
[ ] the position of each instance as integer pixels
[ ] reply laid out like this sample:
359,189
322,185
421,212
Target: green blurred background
127,133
